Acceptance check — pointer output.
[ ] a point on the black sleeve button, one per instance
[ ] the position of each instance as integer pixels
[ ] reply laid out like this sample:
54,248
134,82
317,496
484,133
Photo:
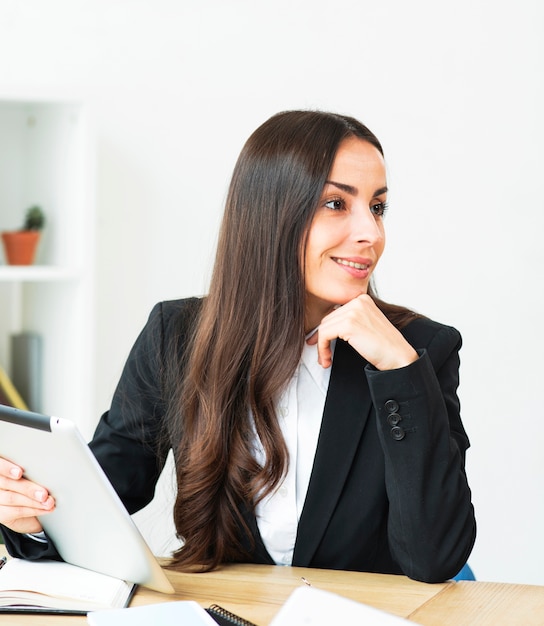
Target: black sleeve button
393,419
397,433
392,406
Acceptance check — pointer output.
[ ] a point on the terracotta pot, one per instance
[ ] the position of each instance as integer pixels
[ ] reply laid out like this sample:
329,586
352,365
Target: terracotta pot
20,246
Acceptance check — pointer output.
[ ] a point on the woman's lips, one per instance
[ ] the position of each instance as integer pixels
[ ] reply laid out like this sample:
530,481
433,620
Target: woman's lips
357,264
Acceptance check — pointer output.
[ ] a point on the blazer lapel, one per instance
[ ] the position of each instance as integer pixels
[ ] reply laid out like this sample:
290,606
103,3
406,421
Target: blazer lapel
346,412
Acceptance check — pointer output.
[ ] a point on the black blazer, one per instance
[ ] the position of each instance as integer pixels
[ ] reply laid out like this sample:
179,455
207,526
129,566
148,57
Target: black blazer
388,491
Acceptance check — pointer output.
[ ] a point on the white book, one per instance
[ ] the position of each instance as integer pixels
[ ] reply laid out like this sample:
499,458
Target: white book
55,586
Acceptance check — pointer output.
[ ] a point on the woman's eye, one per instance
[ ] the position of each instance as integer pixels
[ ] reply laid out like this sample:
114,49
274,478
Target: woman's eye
379,209
336,204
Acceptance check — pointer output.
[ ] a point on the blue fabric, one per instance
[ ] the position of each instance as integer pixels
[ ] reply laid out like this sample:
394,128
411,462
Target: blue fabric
465,574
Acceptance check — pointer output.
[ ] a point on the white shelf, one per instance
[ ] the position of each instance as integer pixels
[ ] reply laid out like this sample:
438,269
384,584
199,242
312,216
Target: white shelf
46,158
37,274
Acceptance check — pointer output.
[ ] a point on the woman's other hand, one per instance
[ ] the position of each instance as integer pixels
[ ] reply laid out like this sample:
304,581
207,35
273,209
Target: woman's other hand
21,500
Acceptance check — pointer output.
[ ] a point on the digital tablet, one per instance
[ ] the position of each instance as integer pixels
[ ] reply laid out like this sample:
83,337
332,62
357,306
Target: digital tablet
90,526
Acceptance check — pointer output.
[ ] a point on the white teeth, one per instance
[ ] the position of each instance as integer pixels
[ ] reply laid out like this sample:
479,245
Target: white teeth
358,266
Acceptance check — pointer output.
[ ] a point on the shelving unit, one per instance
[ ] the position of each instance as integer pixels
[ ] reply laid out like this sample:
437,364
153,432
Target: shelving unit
46,159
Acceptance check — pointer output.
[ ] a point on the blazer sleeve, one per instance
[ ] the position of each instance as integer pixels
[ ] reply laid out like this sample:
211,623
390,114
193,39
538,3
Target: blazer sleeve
129,442
431,524
132,439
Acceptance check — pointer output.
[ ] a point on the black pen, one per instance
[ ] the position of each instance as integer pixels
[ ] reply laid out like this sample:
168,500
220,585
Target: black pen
3,561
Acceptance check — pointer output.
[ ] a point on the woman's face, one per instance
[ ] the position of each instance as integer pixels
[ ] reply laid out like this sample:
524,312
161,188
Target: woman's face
346,237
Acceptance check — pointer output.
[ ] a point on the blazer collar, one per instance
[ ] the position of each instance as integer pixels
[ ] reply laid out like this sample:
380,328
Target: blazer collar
346,412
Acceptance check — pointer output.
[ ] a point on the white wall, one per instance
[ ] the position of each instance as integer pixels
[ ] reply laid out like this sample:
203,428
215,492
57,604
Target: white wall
454,91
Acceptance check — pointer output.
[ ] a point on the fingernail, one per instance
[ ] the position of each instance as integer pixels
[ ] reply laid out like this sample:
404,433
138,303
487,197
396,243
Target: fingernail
40,495
15,472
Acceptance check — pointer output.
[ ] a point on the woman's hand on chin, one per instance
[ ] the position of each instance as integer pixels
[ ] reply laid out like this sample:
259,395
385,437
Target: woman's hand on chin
361,324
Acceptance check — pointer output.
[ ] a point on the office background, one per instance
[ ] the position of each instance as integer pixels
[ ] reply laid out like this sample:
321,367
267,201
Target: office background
454,92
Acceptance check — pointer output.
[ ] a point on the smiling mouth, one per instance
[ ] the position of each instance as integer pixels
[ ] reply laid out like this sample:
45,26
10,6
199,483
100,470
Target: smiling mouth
357,266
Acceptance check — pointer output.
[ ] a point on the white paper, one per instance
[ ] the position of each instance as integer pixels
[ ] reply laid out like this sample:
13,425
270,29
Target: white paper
184,612
310,606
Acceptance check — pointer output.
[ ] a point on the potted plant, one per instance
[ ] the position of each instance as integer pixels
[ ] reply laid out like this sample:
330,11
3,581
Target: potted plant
20,245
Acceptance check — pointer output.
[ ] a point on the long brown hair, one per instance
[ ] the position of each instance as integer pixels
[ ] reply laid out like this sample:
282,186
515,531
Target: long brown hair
250,331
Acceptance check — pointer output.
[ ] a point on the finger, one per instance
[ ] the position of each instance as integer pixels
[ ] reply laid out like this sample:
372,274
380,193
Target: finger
34,494
39,501
322,355
324,352
321,348
9,469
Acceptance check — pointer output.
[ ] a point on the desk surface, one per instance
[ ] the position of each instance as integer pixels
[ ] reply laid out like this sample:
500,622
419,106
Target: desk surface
257,592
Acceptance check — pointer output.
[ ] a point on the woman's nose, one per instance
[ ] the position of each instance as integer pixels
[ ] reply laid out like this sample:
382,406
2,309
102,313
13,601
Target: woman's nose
366,227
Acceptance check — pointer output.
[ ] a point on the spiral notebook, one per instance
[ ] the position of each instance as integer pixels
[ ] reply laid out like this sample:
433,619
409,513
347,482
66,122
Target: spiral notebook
226,618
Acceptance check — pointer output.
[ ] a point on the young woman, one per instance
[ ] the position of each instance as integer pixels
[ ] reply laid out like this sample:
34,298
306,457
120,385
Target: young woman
312,424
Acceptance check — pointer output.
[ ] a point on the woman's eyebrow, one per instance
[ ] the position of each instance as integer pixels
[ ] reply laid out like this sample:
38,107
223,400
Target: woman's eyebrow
353,190
347,188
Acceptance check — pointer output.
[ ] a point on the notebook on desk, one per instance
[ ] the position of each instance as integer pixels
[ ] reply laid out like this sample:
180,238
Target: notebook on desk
90,527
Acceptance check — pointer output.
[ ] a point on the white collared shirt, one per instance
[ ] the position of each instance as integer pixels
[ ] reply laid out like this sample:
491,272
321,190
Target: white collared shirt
299,410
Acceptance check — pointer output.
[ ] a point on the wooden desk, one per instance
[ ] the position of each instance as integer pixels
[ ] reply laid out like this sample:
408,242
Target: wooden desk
257,592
